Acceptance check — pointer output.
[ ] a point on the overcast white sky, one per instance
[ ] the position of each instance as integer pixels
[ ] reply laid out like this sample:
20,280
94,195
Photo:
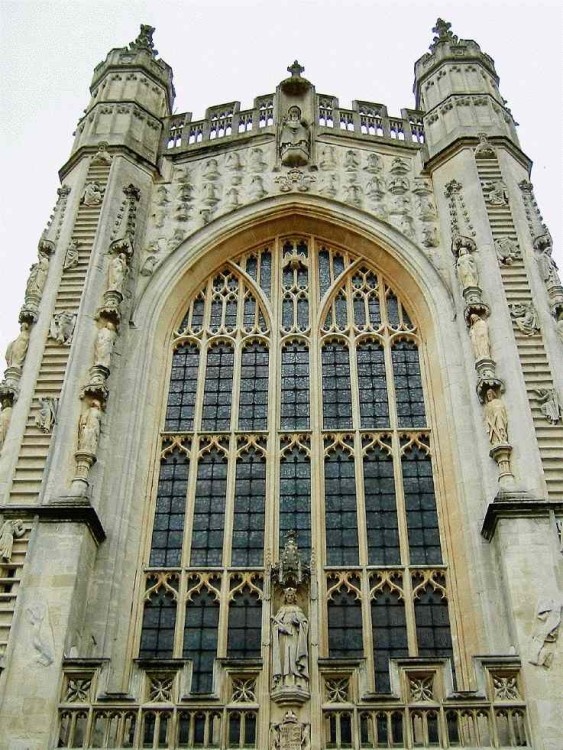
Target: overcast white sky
220,51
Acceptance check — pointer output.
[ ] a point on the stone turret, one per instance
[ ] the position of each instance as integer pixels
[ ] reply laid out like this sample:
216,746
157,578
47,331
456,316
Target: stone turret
131,91
456,85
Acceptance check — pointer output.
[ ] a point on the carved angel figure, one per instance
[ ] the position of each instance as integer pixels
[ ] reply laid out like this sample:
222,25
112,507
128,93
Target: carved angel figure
16,351
9,531
525,317
479,335
550,405
47,415
89,428
507,250
290,650
37,277
62,327
93,194
374,164
497,418
496,193
546,630
71,257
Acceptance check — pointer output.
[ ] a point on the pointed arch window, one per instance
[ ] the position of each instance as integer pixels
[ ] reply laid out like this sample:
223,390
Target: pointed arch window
296,403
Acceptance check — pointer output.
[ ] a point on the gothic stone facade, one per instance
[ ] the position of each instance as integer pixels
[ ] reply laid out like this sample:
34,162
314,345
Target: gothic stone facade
281,429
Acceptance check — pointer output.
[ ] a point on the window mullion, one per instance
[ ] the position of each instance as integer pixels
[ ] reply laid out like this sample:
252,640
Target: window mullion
190,502
230,501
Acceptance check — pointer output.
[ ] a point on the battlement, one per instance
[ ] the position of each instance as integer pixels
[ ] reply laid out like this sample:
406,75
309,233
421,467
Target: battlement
365,120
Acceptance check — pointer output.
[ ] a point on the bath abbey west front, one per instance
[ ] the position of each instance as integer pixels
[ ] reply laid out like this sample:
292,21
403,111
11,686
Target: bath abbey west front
281,428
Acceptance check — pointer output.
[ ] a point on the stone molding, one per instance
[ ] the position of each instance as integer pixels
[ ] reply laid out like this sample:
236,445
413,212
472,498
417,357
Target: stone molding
62,510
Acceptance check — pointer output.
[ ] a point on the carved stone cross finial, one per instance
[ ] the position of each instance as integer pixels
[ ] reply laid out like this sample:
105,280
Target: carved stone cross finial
296,69
443,33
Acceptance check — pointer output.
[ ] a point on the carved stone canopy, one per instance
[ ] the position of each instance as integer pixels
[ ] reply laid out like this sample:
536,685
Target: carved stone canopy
291,570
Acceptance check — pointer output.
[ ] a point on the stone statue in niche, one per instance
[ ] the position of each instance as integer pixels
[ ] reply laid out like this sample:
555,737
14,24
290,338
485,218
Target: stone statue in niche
294,139
290,653
71,257
466,269
5,418
497,418
17,350
89,428
47,415
117,271
9,531
93,194
550,404
62,327
526,318
546,631
479,335
105,340
507,250
496,193
37,277
291,734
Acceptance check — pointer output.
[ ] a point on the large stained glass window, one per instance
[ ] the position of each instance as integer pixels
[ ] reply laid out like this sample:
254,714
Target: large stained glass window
296,404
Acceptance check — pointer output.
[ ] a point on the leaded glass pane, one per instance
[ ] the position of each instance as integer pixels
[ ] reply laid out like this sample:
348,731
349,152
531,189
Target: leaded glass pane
159,622
420,503
372,385
295,498
294,407
432,624
168,527
389,629
183,388
218,388
200,639
341,509
381,508
408,384
245,626
253,401
249,509
337,396
345,639
209,510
